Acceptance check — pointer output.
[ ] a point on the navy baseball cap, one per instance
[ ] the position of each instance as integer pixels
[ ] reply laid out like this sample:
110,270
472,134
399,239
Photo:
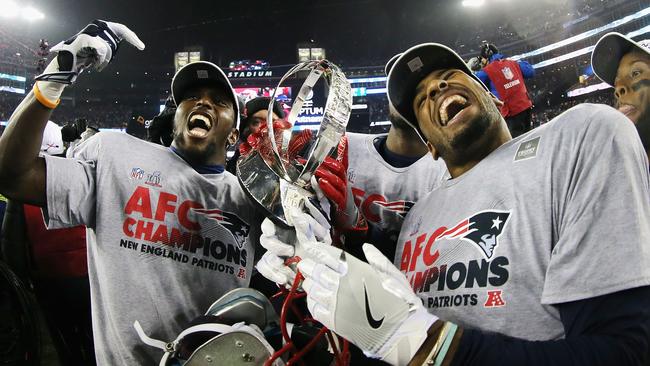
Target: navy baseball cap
202,73
411,67
608,52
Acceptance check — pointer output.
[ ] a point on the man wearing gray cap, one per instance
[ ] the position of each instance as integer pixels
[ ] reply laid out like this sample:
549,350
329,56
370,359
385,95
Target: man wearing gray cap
169,230
388,173
535,252
625,64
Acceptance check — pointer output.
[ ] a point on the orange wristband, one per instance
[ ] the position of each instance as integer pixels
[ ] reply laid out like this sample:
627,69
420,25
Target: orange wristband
43,100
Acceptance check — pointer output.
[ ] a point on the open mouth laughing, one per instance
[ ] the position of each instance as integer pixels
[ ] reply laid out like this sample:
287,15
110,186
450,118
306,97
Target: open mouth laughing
199,124
451,108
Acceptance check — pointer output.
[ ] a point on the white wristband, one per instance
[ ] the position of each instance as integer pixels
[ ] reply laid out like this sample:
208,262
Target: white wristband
408,338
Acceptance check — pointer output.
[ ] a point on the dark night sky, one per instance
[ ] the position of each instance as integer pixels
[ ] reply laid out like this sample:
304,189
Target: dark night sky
353,31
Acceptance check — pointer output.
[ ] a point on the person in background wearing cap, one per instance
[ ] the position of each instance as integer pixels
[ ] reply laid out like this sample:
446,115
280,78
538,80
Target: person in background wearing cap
525,256
505,78
164,224
255,112
625,64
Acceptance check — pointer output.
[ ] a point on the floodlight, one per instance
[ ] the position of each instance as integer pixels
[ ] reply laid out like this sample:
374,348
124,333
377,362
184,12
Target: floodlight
9,9
29,13
12,9
473,3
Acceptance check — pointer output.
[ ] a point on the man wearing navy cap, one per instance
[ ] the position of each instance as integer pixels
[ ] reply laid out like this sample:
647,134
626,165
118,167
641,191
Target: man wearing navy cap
525,256
625,64
168,230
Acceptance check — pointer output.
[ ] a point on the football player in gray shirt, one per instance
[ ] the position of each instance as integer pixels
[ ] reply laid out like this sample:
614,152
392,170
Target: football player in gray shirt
388,173
168,230
385,175
535,252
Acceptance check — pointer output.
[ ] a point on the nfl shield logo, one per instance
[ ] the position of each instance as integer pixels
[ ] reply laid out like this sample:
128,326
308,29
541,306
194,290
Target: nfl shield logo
507,73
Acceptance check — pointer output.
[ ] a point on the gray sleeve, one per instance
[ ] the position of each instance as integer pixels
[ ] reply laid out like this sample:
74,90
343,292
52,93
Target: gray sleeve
71,187
602,221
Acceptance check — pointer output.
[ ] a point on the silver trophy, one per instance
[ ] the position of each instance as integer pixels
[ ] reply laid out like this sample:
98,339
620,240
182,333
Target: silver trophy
274,175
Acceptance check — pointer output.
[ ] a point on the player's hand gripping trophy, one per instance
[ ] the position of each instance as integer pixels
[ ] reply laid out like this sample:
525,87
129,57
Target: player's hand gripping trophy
278,173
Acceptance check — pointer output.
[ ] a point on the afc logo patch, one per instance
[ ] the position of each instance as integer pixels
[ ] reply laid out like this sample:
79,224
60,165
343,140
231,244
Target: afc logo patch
494,299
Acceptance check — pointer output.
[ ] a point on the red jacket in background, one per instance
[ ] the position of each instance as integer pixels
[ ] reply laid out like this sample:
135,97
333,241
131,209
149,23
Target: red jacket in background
57,253
507,79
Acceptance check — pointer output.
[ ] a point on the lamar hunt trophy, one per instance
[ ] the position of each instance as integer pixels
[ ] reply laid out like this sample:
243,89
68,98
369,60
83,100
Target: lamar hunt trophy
277,174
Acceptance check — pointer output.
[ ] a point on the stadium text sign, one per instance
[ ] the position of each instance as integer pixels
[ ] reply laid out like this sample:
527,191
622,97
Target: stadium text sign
250,74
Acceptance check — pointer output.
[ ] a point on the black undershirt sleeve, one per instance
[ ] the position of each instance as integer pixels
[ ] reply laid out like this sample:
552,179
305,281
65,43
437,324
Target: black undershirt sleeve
613,329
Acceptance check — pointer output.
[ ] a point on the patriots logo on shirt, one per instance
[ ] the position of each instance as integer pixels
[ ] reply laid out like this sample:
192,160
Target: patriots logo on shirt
237,227
483,229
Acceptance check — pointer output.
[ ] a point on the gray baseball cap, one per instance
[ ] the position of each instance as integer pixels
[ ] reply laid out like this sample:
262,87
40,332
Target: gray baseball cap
202,73
608,52
411,67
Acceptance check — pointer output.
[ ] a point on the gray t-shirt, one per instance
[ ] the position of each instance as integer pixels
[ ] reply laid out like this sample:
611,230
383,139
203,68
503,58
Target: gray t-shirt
164,241
559,214
384,193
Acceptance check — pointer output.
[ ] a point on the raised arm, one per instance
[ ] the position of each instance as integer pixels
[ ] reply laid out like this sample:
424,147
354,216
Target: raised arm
22,171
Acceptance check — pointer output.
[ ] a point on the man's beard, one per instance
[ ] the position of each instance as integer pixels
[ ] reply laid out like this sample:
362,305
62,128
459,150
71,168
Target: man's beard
460,146
471,133
399,122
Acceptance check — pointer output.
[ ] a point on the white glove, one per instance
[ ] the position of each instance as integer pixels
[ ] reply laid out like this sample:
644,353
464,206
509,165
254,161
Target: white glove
281,244
278,243
371,305
94,46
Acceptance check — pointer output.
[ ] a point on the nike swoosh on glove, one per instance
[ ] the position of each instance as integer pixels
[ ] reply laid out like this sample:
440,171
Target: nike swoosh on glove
369,304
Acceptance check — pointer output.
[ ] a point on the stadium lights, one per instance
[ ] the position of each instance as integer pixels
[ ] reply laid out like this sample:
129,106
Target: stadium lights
13,77
367,80
376,91
473,3
11,9
588,89
30,13
585,50
581,36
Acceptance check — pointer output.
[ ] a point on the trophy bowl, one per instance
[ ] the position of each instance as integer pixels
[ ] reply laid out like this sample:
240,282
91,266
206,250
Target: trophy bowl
277,174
